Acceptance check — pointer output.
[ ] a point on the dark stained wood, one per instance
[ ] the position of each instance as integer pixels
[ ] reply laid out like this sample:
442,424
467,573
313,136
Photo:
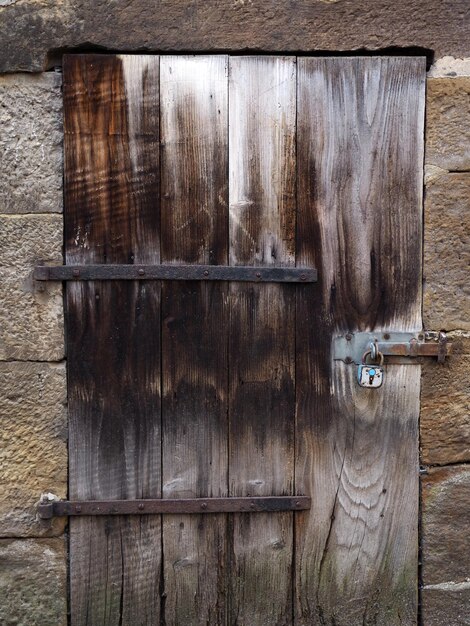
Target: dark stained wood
113,338
194,119
360,151
262,338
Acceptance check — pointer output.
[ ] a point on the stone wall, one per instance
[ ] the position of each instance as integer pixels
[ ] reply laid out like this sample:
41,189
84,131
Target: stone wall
32,369
445,400
34,32
33,433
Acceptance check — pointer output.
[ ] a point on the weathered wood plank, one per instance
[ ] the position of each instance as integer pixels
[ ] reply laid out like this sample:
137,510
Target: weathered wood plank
194,118
262,339
360,151
113,338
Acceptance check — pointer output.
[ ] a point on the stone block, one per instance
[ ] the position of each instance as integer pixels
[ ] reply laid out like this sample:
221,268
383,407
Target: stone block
449,66
447,253
445,406
33,445
33,33
446,525
31,319
31,143
448,123
446,605
33,582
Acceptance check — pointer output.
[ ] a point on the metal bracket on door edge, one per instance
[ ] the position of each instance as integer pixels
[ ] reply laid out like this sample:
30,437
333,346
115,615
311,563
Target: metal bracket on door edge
399,347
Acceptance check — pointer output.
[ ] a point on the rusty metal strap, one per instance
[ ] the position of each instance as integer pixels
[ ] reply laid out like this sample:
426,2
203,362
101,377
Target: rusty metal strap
175,272
60,508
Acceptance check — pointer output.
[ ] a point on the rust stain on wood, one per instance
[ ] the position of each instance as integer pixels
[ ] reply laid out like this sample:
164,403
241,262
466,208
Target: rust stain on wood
111,197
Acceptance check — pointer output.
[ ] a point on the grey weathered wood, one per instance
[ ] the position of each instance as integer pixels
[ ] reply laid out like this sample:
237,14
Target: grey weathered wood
360,152
261,340
194,117
113,338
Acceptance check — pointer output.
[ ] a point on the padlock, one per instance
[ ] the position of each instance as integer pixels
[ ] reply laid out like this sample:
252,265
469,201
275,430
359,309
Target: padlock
369,375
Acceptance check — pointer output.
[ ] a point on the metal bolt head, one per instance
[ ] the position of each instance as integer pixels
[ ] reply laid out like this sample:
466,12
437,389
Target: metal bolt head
348,337
76,273
141,272
141,506
258,274
303,277
78,509
204,505
206,273
348,360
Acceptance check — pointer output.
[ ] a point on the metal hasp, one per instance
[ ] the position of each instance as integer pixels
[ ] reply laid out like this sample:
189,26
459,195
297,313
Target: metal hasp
175,272
60,508
398,347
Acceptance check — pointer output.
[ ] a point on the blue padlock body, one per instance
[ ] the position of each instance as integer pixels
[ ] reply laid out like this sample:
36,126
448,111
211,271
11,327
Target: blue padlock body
371,371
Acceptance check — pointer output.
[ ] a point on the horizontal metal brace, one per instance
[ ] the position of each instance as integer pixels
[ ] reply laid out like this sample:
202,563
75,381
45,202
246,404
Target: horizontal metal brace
60,508
400,347
175,272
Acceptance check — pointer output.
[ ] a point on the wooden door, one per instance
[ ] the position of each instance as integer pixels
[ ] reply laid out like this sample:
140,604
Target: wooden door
211,389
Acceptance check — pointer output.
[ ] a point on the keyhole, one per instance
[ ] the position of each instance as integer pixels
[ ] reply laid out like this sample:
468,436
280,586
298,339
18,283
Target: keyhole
371,376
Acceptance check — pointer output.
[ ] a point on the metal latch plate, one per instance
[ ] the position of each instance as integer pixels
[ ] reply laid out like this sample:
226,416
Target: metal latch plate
399,347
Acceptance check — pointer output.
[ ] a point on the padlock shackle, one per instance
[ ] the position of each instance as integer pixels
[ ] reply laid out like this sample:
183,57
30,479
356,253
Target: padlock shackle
379,354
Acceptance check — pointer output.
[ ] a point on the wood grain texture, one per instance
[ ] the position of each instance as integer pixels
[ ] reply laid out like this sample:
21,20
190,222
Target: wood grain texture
194,120
360,151
113,339
258,168
261,341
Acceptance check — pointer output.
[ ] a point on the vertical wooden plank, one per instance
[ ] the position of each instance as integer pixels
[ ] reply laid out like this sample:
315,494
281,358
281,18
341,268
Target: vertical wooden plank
262,115
113,337
360,153
194,117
